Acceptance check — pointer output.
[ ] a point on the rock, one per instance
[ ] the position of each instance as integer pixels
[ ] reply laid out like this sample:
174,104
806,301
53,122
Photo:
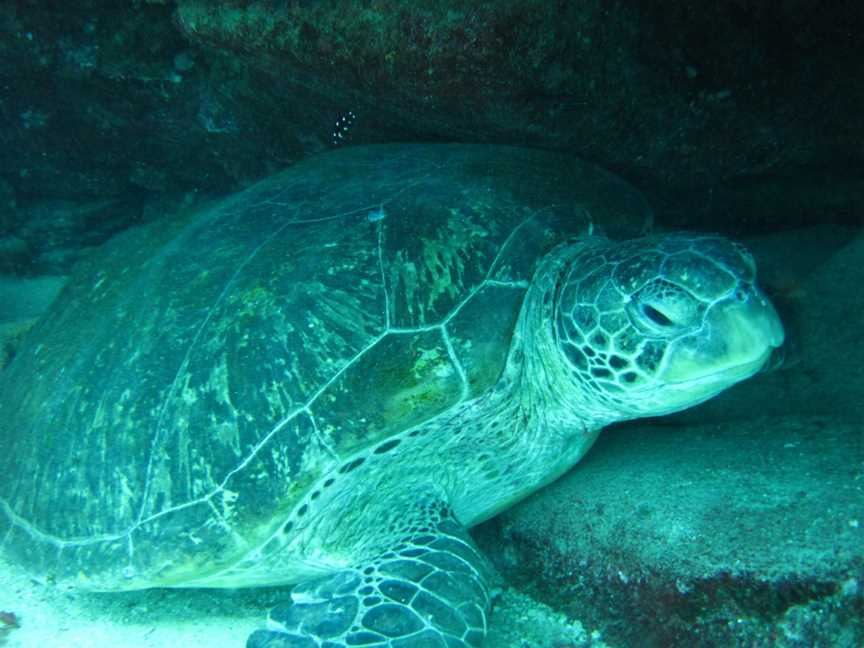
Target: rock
695,100
58,233
614,83
27,298
22,300
522,622
721,535
14,253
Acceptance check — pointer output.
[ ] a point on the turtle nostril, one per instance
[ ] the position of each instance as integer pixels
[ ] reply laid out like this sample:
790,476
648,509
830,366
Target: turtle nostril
655,315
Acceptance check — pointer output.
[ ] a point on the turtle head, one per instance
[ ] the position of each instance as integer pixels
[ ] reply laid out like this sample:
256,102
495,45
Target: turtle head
655,325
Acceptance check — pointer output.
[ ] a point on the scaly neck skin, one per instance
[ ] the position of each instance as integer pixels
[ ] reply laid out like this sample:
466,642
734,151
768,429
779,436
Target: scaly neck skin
536,365
483,455
488,452
546,420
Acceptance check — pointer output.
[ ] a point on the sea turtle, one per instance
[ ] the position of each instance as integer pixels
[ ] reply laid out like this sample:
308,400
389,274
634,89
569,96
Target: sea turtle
327,378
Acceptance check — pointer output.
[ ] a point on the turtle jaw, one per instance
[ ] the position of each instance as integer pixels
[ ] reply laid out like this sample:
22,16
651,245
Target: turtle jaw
735,342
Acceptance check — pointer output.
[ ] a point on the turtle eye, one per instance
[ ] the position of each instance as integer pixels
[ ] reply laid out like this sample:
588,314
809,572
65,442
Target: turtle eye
655,315
662,308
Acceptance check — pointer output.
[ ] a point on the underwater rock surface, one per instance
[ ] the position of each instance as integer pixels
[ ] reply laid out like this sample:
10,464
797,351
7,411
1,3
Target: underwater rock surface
729,535
737,523
148,102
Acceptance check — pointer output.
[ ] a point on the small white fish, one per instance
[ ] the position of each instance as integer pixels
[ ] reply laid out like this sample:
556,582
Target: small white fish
343,125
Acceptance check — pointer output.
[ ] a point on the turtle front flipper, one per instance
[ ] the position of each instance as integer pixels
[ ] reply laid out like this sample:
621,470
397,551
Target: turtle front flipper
427,591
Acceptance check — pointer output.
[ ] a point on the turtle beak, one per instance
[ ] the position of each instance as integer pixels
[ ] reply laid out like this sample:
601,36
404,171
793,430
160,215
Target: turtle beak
752,330
738,340
758,325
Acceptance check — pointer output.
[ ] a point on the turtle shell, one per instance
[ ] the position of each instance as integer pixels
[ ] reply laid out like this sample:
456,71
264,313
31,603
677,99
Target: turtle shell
199,374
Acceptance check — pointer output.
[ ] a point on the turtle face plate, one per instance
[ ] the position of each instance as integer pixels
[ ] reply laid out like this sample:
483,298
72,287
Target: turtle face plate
656,325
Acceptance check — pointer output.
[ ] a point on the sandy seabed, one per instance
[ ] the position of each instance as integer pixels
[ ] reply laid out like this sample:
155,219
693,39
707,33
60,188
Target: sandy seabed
50,617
